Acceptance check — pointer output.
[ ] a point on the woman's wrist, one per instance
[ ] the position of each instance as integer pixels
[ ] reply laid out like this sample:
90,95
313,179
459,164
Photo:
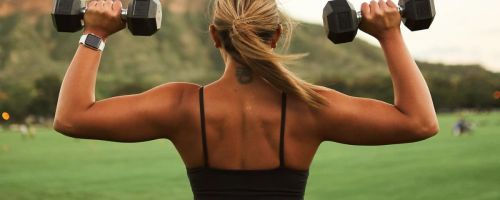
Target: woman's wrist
97,32
390,35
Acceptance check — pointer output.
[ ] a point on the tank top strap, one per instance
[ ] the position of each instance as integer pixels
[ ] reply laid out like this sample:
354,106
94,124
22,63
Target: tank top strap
204,134
282,130
203,128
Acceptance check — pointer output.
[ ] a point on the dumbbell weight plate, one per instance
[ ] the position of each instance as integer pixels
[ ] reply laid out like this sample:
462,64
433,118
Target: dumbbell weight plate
67,16
418,14
144,17
341,21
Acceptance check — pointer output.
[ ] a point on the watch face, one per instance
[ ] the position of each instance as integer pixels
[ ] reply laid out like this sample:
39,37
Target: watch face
93,41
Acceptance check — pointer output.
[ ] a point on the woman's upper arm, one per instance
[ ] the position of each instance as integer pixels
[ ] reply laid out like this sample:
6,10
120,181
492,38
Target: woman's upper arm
147,116
362,121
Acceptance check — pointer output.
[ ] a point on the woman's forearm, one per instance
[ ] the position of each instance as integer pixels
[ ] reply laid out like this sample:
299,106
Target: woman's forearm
78,87
411,93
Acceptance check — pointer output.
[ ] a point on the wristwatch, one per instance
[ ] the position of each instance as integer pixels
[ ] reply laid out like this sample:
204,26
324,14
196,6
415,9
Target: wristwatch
92,41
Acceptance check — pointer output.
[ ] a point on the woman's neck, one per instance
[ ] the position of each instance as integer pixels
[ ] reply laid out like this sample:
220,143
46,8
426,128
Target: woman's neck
238,76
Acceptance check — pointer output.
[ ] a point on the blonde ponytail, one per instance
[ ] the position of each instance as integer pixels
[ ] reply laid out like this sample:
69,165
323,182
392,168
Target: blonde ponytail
246,27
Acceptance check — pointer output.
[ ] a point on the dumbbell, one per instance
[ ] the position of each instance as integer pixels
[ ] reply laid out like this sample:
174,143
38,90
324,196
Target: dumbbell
341,20
143,17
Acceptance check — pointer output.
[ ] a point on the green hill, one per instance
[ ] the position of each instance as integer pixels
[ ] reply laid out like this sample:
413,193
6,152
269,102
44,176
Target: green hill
33,59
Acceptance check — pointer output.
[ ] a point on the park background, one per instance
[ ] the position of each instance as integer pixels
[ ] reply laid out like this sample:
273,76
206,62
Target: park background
42,164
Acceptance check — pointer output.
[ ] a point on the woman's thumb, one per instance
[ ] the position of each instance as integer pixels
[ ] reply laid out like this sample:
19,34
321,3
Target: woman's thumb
117,5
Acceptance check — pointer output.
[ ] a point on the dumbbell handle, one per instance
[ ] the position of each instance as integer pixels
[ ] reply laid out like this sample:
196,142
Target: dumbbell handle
360,15
124,13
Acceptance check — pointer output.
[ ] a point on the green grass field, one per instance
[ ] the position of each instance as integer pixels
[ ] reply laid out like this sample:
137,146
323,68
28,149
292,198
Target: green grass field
53,166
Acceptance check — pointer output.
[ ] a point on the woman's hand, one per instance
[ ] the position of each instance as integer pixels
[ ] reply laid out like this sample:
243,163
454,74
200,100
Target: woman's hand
103,18
380,19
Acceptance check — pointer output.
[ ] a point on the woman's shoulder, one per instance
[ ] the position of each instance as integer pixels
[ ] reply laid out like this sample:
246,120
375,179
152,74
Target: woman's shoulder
331,95
174,102
178,87
337,103
175,96
174,90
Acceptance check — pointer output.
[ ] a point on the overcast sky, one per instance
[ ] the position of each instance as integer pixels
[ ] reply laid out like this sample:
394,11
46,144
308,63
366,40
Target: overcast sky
463,31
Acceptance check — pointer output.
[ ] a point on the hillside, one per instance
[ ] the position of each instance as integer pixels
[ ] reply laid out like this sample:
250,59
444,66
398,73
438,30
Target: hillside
31,51
42,7
152,58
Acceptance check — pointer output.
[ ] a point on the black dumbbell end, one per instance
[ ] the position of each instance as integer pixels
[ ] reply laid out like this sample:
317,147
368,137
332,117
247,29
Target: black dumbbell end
142,27
144,17
67,23
340,21
418,14
418,25
67,16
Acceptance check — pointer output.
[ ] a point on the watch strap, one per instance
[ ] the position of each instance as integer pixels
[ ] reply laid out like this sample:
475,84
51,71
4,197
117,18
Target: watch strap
83,40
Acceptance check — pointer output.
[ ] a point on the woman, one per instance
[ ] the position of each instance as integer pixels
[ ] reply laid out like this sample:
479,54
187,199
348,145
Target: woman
253,133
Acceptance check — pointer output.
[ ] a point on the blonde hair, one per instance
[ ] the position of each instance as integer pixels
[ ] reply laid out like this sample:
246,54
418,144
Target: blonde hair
245,28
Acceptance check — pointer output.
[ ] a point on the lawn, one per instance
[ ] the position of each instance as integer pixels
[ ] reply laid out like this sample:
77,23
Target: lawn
52,166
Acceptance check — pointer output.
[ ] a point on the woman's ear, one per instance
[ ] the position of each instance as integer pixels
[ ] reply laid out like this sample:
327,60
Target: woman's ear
276,37
215,36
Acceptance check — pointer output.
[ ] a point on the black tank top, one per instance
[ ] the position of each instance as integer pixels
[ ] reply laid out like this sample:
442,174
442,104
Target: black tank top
220,184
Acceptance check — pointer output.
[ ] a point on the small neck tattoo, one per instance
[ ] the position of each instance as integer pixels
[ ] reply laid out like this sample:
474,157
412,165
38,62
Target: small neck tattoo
244,75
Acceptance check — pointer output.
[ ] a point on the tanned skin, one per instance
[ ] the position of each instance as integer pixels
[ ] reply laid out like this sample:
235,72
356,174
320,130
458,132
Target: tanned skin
244,74
242,110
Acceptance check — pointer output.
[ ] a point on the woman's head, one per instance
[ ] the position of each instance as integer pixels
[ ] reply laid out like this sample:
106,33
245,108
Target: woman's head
236,19
249,30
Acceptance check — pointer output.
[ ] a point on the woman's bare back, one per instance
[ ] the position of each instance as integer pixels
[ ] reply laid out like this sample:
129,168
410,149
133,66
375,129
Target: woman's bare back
243,129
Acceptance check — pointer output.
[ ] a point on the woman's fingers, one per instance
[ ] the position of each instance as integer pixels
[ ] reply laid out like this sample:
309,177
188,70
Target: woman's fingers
379,16
391,4
100,4
365,9
378,7
374,8
105,6
95,5
108,4
92,5
383,5
117,6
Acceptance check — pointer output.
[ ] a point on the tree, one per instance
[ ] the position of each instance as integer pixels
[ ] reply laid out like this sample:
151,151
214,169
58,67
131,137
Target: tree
47,92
